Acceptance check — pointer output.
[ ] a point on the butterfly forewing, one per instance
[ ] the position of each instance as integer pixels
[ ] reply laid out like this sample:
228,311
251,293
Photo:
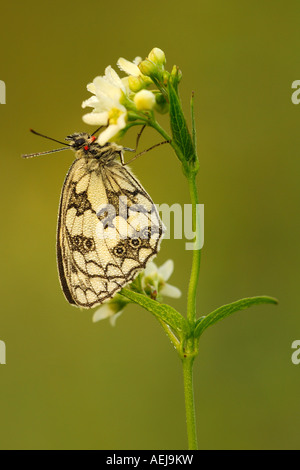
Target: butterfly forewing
108,228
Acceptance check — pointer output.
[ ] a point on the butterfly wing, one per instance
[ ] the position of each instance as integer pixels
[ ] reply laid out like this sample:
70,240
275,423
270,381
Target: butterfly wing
108,229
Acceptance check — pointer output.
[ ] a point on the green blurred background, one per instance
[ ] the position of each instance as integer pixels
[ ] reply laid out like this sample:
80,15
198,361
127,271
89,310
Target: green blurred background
72,384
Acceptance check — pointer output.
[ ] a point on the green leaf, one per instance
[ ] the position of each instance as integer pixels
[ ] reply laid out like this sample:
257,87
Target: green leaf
180,132
226,310
163,312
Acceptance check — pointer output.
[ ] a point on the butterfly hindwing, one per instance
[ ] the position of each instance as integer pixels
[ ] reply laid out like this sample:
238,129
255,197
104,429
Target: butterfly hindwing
108,229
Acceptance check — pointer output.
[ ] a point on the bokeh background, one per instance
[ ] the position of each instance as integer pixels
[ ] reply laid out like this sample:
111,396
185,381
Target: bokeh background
72,384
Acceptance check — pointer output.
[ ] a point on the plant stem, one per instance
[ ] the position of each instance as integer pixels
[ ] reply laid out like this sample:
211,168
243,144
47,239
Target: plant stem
187,364
192,344
189,350
153,123
194,278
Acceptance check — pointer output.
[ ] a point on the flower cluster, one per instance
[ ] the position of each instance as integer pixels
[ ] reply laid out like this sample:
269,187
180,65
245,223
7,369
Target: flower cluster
118,103
151,282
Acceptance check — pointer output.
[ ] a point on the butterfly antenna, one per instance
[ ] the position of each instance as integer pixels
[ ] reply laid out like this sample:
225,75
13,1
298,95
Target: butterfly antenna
95,132
29,155
50,138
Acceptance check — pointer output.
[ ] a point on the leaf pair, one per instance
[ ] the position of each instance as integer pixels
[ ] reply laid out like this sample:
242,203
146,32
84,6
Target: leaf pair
181,327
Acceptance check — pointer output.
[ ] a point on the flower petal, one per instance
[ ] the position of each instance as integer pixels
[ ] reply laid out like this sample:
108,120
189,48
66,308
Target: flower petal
113,78
96,119
105,311
103,87
91,88
128,67
91,102
166,270
112,130
150,269
170,291
114,318
137,60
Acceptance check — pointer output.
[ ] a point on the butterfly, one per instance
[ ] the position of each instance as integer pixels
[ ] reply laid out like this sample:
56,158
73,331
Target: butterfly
108,226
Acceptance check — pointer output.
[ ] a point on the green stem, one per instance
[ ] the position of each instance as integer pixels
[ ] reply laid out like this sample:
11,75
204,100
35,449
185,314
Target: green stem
153,123
189,350
194,277
192,344
187,364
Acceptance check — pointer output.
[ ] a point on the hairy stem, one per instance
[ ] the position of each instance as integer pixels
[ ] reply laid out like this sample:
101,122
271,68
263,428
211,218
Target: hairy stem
194,277
187,364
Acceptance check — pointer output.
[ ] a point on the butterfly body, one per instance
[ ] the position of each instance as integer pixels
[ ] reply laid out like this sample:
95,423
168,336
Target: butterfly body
108,226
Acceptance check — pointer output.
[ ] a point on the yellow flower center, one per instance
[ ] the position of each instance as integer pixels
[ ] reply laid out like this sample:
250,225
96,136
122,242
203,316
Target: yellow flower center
114,115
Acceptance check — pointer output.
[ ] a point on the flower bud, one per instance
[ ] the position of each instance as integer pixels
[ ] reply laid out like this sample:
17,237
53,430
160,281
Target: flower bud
157,56
135,83
144,100
176,74
147,67
166,76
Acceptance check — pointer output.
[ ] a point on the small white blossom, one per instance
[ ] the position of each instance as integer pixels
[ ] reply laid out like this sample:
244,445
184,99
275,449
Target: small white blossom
108,110
111,309
157,279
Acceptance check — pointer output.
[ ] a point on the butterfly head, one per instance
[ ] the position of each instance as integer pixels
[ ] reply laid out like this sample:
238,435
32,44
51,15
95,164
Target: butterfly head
81,141
87,146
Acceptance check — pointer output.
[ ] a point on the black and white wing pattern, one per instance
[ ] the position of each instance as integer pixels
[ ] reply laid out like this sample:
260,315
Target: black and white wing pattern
108,229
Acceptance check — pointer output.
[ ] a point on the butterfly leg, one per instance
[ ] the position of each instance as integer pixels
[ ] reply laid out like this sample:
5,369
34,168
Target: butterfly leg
127,149
138,138
142,153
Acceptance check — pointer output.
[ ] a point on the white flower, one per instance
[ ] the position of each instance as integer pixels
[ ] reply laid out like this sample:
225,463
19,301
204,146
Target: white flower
108,110
111,309
156,278
107,311
144,100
